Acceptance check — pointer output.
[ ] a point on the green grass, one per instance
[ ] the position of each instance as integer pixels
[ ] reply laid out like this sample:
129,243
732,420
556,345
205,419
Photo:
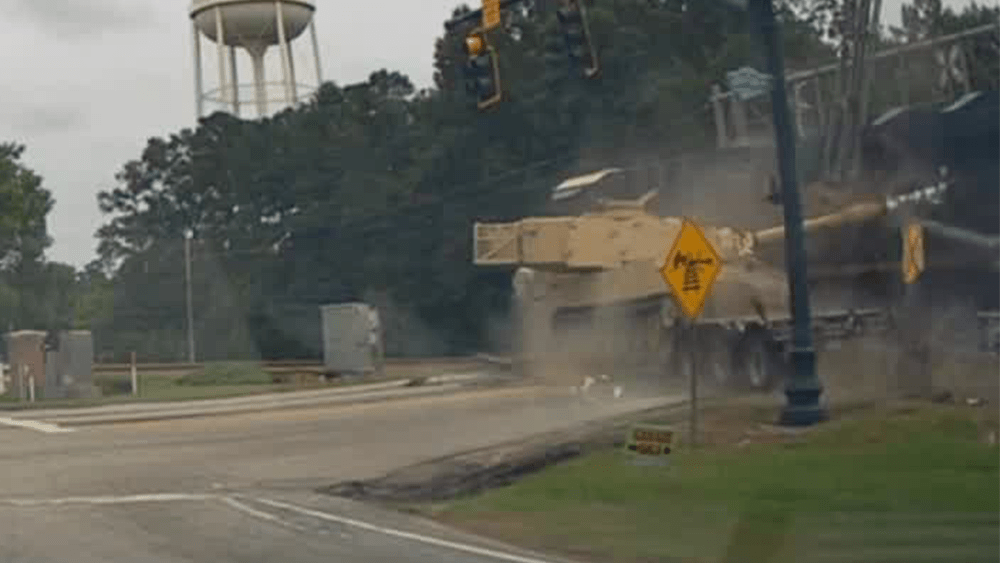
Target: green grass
916,486
172,388
227,374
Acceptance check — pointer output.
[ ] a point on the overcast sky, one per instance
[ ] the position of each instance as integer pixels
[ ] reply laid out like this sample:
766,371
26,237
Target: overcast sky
87,82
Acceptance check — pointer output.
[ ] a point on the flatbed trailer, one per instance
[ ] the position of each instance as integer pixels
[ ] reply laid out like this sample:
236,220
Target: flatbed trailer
773,337
827,326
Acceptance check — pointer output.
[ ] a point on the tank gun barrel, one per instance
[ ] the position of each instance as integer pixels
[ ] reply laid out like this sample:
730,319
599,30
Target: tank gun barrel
853,214
856,213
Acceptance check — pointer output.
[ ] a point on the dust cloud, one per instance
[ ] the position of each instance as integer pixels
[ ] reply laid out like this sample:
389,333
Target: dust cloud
221,312
628,342
404,333
618,342
935,355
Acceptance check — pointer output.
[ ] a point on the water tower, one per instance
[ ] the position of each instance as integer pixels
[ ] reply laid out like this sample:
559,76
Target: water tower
252,25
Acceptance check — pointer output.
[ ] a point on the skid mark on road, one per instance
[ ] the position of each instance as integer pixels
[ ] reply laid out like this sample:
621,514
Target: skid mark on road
34,425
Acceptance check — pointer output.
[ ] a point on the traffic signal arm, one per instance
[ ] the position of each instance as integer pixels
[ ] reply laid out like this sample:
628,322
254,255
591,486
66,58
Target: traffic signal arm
573,21
475,15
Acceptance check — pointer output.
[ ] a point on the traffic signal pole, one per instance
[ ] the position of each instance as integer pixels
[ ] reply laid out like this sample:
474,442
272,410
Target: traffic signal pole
802,388
572,18
475,15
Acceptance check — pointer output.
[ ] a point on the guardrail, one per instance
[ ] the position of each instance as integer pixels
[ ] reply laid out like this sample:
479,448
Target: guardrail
281,366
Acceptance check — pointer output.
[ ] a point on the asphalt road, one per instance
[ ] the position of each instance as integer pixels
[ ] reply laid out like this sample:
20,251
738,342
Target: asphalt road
238,487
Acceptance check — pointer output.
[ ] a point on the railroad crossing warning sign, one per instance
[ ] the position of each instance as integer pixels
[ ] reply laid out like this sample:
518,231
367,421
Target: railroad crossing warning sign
649,444
491,14
913,252
691,268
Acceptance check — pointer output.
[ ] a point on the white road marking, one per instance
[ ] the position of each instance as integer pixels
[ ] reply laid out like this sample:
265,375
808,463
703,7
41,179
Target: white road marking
232,502
456,546
34,425
260,514
127,499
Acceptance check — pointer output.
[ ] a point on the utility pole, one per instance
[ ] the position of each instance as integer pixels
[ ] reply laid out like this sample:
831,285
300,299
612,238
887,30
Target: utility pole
802,389
187,283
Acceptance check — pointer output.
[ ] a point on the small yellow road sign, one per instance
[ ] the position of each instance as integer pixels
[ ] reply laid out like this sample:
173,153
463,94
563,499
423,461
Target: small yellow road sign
691,268
491,14
913,252
649,443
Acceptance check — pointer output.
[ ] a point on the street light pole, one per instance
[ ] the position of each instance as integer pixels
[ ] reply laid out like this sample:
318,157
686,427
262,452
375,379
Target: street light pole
802,388
187,283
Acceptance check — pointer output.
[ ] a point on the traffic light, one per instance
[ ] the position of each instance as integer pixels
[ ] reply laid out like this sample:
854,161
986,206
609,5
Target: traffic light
573,21
482,72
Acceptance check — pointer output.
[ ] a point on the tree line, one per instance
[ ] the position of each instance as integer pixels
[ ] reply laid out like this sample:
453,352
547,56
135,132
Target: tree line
369,191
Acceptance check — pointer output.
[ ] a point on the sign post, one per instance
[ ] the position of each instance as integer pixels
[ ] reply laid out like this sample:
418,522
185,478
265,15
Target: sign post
690,270
913,370
135,376
689,336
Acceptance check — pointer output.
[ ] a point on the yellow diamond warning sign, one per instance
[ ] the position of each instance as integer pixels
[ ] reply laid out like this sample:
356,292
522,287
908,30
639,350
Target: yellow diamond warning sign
913,252
691,268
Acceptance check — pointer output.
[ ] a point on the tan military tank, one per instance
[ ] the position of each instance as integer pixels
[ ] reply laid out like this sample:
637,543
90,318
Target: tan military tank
589,297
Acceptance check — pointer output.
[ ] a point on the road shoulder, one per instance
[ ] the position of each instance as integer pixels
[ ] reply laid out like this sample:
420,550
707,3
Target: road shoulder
751,490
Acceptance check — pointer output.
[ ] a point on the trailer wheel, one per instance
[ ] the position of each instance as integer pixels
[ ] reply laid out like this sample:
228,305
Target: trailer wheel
758,361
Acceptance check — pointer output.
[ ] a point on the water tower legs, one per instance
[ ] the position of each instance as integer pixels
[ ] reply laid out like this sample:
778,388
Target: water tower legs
286,56
220,45
226,64
199,101
234,93
259,77
315,42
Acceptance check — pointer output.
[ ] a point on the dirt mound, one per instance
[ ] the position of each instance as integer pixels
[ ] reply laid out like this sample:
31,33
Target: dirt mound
488,468
455,479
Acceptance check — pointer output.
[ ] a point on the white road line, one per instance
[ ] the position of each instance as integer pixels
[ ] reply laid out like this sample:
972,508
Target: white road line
174,497
260,514
127,499
481,551
34,425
